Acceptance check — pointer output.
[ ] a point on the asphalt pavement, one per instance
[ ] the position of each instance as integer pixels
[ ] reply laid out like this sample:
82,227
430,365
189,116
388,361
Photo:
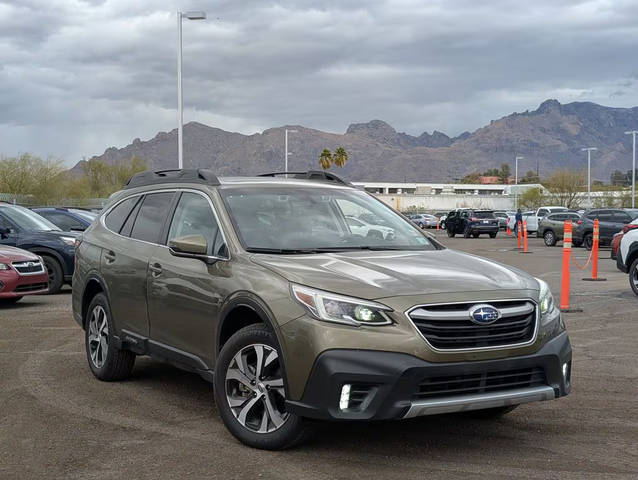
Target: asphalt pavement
58,421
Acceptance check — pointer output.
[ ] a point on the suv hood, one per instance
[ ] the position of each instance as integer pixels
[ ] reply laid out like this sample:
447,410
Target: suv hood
372,275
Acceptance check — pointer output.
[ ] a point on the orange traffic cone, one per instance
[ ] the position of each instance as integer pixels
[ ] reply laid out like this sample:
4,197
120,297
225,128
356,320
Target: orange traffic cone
508,232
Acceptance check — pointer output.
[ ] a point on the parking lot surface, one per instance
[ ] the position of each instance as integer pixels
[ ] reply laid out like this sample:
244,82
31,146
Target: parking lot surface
57,421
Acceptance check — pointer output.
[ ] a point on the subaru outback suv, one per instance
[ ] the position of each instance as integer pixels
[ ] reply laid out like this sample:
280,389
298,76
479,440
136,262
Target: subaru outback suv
260,286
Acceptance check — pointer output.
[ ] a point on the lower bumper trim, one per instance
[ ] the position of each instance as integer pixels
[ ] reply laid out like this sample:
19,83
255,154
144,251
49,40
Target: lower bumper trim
476,402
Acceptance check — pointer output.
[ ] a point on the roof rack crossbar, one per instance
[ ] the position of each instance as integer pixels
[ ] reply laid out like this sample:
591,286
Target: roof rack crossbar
311,175
196,175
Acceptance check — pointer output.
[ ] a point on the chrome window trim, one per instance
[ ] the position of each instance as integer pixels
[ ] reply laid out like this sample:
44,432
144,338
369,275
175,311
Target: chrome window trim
40,272
478,349
166,190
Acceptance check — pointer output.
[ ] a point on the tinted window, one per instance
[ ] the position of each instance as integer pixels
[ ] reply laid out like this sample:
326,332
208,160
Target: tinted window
150,218
64,222
620,217
573,216
594,214
556,217
116,217
542,212
484,214
194,216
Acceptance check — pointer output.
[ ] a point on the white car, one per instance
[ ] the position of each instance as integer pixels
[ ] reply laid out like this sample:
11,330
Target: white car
533,220
511,221
365,229
627,259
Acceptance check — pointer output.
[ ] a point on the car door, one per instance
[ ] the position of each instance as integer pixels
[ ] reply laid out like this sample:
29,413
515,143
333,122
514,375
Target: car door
185,294
137,222
606,224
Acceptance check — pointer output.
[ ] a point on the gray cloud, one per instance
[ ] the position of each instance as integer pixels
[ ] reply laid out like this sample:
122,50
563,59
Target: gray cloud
78,76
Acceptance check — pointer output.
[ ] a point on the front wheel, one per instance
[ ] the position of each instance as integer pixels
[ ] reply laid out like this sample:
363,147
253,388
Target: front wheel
588,241
450,233
633,276
250,393
493,235
54,270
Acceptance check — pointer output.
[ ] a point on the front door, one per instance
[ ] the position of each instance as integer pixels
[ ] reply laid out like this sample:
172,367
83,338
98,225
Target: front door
185,294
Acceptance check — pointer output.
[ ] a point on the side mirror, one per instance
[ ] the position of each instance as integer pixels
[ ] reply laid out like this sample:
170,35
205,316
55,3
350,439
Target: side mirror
191,246
4,232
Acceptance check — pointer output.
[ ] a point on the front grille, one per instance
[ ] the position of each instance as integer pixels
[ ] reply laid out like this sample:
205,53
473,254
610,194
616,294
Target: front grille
33,266
31,287
476,383
448,327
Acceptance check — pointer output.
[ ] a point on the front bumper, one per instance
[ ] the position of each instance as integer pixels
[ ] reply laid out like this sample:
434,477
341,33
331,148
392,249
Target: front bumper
389,382
12,284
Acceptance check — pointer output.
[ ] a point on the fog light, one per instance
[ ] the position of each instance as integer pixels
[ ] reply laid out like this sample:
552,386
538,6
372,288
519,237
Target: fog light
344,401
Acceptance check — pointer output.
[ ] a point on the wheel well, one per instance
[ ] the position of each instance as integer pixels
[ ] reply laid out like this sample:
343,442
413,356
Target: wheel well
91,290
238,318
633,255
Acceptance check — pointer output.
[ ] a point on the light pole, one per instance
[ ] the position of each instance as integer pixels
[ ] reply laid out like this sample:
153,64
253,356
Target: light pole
180,114
286,149
518,157
633,169
589,150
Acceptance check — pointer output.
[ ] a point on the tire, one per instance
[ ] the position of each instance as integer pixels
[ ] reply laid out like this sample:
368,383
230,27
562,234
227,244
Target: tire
442,225
116,364
10,301
493,235
488,413
265,423
54,270
450,233
475,235
633,276
549,237
577,243
588,241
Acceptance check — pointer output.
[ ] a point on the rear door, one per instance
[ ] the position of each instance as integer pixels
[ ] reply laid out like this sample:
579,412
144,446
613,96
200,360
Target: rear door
185,294
138,222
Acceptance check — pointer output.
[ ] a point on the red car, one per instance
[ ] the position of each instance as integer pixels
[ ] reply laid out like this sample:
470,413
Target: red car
615,241
21,273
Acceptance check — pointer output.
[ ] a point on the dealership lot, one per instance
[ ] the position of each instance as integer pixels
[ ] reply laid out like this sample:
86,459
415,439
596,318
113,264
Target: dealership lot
57,421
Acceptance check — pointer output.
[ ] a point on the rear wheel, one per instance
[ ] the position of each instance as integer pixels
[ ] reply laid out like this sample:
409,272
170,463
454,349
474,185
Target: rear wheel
450,233
250,392
475,235
588,241
54,270
633,276
549,238
493,235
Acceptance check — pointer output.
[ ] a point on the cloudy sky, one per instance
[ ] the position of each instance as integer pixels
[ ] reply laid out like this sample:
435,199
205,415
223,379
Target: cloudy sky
79,76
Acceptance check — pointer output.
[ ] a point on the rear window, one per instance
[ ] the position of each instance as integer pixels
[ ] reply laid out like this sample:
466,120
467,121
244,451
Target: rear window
150,219
116,217
484,214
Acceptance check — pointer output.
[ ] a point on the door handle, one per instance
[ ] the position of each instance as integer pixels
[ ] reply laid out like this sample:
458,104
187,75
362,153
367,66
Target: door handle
156,269
109,256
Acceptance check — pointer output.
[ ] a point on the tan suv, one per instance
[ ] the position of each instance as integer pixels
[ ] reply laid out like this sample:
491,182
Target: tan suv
261,286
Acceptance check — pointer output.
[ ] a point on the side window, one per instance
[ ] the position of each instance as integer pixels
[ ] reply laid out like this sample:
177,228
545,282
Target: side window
542,212
194,216
355,223
116,217
621,217
64,222
5,223
605,216
150,219
593,215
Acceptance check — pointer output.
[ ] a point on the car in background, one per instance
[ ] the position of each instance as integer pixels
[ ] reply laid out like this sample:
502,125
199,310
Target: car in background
627,258
471,222
617,238
67,219
365,229
551,227
511,221
25,229
424,220
610,220
533,220
21,273
502,217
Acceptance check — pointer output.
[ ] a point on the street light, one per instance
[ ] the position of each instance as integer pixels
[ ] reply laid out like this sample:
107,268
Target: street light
286,149
633,169
518,157
180,114
589,150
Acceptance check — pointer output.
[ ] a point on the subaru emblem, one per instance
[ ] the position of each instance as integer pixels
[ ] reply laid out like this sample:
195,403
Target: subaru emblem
484,314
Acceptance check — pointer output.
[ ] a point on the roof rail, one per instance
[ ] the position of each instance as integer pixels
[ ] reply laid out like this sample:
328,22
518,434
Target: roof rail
311,175
199,175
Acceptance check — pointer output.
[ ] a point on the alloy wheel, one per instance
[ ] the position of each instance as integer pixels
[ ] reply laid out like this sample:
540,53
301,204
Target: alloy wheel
633,275
255,388
98,336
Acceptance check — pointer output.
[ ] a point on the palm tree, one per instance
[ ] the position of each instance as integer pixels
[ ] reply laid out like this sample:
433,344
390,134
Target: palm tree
325,159
340,157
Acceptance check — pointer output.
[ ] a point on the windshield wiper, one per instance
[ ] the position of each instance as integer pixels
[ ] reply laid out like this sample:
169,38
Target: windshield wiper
292,251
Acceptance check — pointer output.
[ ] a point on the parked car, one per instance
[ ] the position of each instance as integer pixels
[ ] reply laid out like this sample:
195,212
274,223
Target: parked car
627,258
471,222
424,220
21,273
533,220
551,227
502,219
365,229
22,228
617,238
67,219
610,221
237,280
511,221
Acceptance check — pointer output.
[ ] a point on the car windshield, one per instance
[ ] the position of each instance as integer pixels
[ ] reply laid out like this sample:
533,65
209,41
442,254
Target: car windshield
484,214
285,219
88,216
26,219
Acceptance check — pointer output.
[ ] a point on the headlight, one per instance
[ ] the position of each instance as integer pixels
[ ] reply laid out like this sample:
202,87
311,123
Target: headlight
68,240
545,297
335,308
4,266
